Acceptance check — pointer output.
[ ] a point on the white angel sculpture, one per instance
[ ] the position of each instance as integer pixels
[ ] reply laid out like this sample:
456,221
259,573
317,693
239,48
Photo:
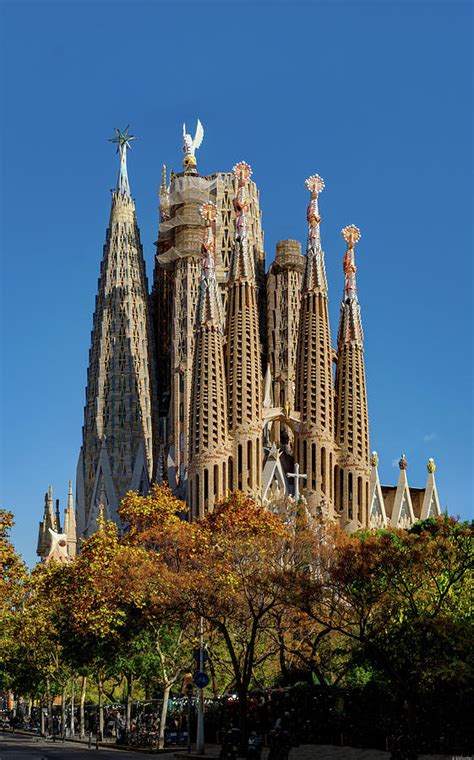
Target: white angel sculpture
191,145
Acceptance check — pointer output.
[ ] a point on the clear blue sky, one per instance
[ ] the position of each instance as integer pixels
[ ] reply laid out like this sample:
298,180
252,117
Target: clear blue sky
377,98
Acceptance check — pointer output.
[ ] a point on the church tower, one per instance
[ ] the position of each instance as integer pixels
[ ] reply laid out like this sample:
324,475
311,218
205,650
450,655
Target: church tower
352,473
176,286
175,296
209,438
243,355
283,314
314,379
117,449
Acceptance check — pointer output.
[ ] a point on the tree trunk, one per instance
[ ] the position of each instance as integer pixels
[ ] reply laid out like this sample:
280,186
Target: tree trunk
128,702
42,721
82,724
49,701
164,713
100,687
63,708
242,692
71,725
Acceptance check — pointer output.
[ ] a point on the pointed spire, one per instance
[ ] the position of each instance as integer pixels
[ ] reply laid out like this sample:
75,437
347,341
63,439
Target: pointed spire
123,140
431,506
351,235
57,518
350,324
242,264
208,436
403,515
377,517
315,271
70,524
70,500
209,302
50,507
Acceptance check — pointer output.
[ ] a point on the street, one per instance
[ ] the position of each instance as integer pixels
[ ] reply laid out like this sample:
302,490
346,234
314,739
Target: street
18,747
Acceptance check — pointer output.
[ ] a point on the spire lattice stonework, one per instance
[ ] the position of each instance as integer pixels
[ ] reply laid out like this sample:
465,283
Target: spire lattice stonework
352,424
243,356
315,448
209,439
117,450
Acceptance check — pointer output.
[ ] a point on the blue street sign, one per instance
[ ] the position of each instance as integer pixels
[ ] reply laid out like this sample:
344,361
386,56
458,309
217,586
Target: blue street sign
197,655
201,680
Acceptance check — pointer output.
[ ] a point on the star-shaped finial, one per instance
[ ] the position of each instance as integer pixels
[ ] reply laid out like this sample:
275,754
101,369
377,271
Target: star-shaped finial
122,139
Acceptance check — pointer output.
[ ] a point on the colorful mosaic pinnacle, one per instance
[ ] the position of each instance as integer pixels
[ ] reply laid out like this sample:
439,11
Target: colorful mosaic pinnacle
208,212
242,172
351,235
315,184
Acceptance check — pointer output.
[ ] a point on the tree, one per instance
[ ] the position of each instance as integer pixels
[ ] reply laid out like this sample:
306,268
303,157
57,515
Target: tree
400,597
13,575
224,572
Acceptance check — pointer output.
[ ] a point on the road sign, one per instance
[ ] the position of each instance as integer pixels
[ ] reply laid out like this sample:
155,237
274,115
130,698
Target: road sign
201,680
197,655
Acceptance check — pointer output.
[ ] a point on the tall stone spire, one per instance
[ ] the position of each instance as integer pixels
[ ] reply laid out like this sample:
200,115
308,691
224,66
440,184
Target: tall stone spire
314,398
209,444
243,355
352,424
117,450
70,524
48,523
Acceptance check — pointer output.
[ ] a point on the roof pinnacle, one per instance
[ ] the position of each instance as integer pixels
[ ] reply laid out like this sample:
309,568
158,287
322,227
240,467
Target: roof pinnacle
209,302
123,140
315,271
242,260
208,213
315,185
351,235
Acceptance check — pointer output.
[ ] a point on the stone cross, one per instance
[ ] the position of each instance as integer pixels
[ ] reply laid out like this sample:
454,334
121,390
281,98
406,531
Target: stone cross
297,476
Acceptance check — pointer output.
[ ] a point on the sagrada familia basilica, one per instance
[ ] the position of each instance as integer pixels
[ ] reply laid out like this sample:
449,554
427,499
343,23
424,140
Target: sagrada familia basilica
225,376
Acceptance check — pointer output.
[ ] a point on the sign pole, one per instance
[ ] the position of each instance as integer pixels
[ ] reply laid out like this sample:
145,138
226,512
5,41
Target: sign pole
189,722
200,748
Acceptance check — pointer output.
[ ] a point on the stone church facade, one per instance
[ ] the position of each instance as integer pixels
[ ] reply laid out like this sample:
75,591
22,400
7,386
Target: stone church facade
225,376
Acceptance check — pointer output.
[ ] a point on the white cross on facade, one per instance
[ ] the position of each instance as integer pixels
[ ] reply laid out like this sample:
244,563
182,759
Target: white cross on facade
297,477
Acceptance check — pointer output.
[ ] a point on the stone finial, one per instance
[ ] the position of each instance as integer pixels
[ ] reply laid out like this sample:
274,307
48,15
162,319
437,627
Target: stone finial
431,467
374,459
403,463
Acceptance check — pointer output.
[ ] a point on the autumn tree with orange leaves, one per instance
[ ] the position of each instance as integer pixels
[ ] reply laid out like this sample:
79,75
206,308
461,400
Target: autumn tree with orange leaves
222,569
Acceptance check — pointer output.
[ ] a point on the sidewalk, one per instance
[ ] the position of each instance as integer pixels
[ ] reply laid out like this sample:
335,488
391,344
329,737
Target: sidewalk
317,752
